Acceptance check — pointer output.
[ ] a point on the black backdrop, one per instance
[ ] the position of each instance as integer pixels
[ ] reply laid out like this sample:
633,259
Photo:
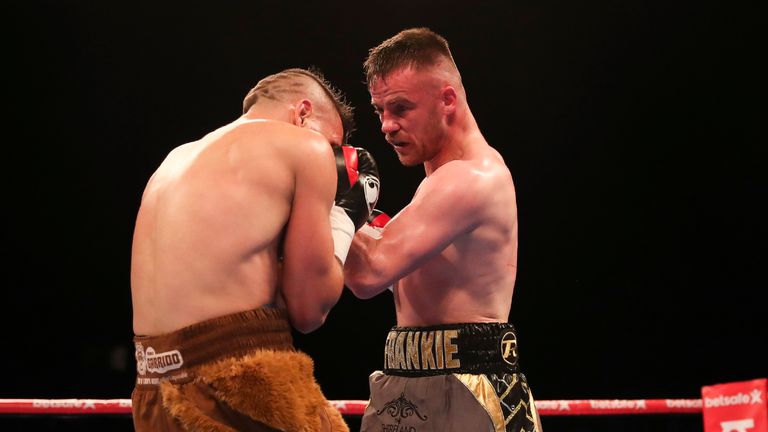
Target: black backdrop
634,131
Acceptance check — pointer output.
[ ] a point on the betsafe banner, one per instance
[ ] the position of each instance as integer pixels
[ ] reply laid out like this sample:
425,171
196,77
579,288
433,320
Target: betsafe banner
736,407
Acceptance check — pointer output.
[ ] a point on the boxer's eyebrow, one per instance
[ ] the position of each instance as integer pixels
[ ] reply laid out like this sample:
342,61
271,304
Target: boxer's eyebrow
398,100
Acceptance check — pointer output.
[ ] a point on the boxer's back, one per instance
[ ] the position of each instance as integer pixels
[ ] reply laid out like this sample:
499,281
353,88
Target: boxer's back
208,229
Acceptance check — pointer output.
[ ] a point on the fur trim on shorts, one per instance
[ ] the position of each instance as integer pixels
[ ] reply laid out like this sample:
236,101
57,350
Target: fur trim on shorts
276,388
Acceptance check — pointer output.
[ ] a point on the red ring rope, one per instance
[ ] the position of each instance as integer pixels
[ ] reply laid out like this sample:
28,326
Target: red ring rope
356,407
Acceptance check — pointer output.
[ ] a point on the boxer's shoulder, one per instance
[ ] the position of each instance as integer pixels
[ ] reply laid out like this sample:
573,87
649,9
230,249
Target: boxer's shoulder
470,176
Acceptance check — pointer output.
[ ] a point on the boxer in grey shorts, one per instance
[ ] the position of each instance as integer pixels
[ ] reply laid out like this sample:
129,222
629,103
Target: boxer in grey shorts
458,377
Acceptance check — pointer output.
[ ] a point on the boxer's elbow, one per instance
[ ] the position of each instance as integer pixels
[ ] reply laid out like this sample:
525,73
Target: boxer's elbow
358,291
311,296
365,285
307,320
308,308
368,275
306,326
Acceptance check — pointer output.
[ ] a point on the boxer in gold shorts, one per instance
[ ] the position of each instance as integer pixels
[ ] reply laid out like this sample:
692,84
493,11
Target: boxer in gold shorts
449,256
459,377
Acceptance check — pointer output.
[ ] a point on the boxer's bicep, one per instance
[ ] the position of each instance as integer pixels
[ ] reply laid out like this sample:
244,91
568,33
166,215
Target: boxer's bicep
441,211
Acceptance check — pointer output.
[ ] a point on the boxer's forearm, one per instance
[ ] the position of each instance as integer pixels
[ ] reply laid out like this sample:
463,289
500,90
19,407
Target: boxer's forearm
362,274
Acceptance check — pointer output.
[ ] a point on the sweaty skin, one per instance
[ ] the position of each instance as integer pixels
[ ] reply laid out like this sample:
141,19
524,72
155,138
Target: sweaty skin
215,214
451,253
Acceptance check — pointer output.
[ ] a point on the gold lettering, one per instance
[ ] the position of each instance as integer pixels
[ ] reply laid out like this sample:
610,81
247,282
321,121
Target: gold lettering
400,352
439,348
427,356
412,347
389,351
451,349
509,348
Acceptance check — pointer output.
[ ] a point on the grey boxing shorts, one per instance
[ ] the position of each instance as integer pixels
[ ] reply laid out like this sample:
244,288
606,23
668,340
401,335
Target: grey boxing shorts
451,378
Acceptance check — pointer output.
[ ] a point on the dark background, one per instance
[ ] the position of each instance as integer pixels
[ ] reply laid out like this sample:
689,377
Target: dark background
634,132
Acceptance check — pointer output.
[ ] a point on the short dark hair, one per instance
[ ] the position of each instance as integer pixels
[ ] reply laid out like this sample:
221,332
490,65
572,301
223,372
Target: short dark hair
284,82
418,47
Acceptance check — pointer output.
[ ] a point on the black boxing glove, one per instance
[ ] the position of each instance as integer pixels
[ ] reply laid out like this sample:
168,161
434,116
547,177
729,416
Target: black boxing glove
357,190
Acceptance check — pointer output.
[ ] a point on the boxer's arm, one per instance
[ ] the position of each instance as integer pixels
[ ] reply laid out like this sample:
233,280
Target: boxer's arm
312,277
448,203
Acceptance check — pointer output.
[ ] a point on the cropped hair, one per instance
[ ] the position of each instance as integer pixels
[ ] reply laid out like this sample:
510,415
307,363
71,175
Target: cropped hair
417,47
285,83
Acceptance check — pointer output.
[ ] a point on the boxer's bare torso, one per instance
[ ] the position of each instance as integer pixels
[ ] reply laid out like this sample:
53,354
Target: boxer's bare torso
470,203
451,253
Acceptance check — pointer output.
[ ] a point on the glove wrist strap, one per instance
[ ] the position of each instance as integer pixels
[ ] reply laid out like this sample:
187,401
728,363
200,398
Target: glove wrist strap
342,230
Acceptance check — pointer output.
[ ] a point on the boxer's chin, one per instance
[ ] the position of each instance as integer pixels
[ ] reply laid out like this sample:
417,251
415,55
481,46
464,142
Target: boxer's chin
408,159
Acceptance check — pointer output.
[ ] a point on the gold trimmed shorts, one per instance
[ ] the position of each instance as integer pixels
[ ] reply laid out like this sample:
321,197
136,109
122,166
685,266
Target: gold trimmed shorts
451,378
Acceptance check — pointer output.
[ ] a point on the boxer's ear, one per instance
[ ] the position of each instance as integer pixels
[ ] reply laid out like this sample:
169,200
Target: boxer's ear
301,112
449,99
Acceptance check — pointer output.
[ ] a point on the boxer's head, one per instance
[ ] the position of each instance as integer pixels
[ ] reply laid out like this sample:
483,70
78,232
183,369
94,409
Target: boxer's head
417,48
318,105
415,90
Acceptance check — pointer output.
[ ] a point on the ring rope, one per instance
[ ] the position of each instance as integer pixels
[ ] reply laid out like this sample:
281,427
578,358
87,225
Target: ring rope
357,407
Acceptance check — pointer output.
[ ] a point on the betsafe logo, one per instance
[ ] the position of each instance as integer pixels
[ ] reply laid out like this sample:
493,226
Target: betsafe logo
741,398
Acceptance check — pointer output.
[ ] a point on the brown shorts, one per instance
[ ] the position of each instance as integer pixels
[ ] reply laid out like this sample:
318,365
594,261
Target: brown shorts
238,372
451,378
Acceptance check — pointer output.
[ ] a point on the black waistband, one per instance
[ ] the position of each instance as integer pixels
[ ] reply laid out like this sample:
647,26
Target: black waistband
451,348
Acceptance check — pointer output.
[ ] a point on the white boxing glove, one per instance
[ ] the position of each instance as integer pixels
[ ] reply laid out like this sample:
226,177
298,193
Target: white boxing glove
342,229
